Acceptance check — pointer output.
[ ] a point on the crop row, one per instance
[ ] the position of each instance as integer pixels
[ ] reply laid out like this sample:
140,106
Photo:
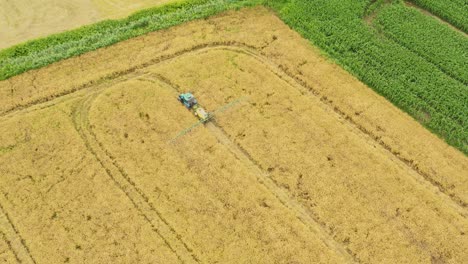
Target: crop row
427,37
453,11
409,81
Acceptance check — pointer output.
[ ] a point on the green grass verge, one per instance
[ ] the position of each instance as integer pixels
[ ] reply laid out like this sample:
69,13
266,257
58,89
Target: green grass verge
453,11
41,52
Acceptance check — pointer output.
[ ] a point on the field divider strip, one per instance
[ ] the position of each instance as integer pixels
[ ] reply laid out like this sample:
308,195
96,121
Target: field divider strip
13,238
123,181
278,70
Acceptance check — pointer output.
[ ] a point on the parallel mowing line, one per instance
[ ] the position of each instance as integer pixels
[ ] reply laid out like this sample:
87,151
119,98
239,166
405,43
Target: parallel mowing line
283,197
307,217
296,82
270,184
120,178
278,70
13,238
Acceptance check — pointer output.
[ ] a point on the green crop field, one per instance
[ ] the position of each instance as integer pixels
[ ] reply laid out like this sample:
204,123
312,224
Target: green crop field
453,11
412,59
425,36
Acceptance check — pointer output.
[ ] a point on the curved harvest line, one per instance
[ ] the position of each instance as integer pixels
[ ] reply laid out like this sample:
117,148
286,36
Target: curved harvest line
421,176
13,238
301,213
121,179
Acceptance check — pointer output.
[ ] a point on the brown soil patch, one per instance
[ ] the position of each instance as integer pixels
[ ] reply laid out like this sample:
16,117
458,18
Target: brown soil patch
311,166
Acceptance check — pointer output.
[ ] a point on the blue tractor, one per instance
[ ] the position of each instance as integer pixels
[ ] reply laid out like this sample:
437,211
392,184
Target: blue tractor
191,103
188,100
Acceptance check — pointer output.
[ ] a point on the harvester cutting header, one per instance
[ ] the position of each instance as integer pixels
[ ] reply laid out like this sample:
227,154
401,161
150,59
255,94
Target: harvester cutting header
192,104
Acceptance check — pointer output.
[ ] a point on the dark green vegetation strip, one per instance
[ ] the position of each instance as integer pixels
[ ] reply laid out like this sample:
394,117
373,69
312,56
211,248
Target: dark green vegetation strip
38,53
424,35
453,11
406,78
406,63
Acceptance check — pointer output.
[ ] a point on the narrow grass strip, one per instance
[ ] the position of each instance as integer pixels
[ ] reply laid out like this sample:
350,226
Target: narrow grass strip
41,52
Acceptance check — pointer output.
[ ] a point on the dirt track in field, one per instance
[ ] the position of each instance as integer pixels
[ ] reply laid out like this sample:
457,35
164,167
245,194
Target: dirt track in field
310,166
22,20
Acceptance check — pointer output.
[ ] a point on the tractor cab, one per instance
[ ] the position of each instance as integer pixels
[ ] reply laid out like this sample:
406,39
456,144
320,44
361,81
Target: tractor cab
188,100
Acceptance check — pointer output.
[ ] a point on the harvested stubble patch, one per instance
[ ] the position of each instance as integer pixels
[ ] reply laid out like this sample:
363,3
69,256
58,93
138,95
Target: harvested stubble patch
374,182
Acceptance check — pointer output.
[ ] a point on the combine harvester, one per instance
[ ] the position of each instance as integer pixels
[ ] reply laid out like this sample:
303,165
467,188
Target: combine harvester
191,103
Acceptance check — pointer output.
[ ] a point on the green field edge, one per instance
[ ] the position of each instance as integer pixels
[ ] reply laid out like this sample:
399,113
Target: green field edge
41,52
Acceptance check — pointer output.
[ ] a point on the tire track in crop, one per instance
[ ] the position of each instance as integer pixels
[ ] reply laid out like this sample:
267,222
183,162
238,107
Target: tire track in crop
13,238
4,238
120,74
122,180
283,73
270,184
53,100
422,177
304,214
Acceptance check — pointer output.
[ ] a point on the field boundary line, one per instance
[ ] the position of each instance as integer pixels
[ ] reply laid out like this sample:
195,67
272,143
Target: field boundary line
13,238
256,53
123,181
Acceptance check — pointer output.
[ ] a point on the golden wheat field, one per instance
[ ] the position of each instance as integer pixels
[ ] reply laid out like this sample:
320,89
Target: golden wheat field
305,165
22,20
